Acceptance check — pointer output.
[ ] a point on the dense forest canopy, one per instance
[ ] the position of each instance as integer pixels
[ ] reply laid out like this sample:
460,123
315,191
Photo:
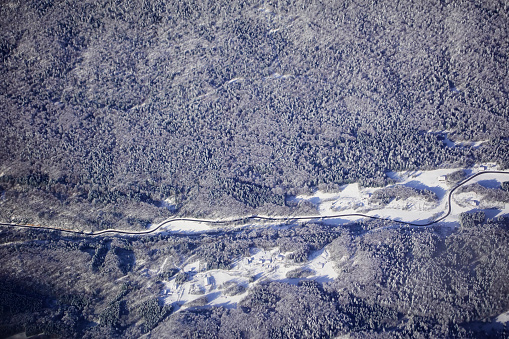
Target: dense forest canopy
119,114
111,107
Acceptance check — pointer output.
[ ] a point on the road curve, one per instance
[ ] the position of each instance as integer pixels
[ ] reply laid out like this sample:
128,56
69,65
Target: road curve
255,217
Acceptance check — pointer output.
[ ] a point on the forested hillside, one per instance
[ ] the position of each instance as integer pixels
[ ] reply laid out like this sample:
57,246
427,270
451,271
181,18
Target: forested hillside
225,107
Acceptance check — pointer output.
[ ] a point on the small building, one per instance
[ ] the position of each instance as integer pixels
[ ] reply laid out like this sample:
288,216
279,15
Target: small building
442,178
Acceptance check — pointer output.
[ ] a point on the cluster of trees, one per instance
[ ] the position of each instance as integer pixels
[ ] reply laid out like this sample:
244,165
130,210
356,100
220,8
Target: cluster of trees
105,113
299,273
455,177
488,195
181,277
232,288
505,186
247,193
111,258
152,312
168,274
468,220
399,192
111,315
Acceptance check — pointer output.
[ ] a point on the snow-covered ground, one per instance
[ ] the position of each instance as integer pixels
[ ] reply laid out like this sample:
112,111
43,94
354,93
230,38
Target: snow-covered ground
503,318
260,266
184,226
354,199
169,204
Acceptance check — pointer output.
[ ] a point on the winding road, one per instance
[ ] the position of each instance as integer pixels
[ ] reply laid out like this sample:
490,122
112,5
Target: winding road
260,218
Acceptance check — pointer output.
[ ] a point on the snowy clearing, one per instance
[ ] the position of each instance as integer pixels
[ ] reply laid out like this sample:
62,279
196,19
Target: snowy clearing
184,226
213,287
354,199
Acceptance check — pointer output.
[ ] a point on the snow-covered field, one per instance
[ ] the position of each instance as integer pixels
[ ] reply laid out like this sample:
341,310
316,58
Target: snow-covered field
354,199
262,265
183,226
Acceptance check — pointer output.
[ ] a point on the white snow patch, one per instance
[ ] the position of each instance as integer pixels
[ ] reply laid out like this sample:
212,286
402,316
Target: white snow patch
184,226
265,9
274,30
262,265
350,197
168,203
235,80
503,318
162,265
354,199
473,144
